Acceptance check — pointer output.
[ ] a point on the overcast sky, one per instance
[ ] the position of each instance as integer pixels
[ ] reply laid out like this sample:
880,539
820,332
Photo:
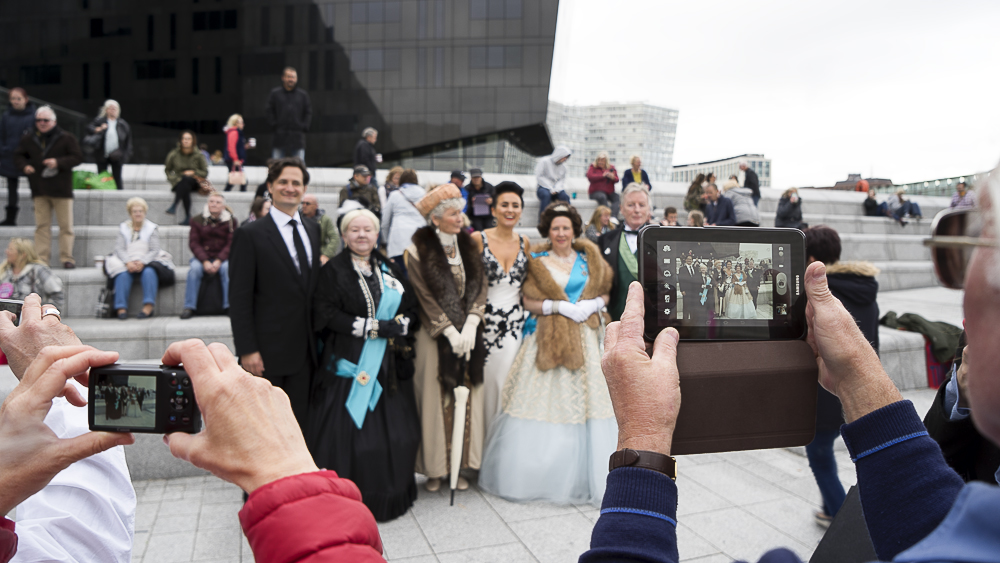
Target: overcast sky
907,90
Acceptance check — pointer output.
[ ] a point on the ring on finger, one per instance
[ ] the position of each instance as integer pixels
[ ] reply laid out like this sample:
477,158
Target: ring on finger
52,311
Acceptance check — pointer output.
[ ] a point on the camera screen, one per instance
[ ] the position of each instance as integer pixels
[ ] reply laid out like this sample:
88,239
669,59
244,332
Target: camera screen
125,401
722,283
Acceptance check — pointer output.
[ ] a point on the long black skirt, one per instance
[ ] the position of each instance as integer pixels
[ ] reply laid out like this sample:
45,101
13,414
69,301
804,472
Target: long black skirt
379,458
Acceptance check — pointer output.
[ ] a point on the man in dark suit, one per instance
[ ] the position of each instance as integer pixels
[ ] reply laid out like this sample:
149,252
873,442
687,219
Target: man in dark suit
753,279
688,284
273,268
620,246
750,180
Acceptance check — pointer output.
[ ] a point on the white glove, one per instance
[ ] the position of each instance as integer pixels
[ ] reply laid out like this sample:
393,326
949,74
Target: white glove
469,334
360,326
571,311
591,306
547,307
455,339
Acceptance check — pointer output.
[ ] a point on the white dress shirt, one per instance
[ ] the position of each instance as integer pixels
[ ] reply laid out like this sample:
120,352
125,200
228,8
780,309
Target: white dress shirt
281,219
87,512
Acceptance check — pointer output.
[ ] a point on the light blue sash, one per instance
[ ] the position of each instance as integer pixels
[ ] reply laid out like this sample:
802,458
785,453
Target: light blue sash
366,390
574,287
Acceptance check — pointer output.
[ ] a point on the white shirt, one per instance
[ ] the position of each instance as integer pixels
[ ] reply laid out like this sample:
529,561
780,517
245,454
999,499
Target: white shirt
281,219
87,512
111,137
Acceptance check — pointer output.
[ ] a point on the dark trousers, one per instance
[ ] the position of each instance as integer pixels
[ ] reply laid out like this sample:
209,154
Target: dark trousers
182,193
481,222
297,388
824,468
116,170
545,197
12,192
612,200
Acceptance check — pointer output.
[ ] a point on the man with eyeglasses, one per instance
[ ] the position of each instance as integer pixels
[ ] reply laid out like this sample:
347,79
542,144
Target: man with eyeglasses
47,156
916,507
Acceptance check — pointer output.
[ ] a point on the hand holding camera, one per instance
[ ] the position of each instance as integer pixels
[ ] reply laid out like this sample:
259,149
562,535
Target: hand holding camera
251,437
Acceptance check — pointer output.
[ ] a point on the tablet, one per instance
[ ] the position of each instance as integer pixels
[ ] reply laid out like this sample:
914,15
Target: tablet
724,283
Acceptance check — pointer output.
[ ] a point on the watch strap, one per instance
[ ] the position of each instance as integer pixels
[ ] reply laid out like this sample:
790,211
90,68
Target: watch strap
646,460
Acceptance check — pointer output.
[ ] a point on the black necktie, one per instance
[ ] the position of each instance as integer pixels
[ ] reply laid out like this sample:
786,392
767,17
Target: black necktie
300,251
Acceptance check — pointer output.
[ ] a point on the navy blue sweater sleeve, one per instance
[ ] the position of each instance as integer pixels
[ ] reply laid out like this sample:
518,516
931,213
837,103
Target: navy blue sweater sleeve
638,519
645,179
906,486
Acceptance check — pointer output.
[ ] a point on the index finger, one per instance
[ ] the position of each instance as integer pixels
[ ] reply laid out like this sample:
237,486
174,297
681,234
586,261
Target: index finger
633,322
32,309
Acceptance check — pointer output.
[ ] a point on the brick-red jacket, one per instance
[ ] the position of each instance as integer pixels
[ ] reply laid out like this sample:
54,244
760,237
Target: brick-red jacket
212,239
598,183
310,518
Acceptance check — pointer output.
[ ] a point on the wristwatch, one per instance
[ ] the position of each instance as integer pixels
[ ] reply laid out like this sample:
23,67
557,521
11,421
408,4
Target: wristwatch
646,460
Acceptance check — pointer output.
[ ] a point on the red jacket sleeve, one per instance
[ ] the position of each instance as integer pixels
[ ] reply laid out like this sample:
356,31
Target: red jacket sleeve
232,136
310,518
8,540
194,242
595,174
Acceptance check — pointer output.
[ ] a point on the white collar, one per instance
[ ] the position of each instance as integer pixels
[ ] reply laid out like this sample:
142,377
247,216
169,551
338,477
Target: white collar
281,218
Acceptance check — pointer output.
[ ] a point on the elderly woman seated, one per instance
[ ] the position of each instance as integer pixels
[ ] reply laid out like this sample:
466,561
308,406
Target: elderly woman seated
137,248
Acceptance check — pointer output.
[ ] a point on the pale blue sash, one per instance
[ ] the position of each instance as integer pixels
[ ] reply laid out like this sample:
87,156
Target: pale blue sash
366,390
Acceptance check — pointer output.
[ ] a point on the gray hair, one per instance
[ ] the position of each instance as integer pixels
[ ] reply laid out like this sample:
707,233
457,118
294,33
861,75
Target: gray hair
107,104
743,162
453,203
637,187
368,132
48,110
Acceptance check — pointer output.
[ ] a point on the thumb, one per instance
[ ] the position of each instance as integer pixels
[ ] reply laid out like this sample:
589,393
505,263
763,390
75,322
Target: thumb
817,288
92,443
665,347
181,445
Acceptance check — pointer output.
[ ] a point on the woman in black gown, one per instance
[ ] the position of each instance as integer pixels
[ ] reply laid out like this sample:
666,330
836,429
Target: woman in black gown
363,416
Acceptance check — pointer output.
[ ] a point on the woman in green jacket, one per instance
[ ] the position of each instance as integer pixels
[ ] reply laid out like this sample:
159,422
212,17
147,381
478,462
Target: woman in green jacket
185,167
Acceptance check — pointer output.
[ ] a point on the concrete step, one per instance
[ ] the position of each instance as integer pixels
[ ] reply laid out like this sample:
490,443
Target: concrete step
107,207
94,241
82,286
137,339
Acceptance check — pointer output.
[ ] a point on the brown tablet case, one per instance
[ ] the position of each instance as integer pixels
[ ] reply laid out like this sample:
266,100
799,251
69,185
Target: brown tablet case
745,396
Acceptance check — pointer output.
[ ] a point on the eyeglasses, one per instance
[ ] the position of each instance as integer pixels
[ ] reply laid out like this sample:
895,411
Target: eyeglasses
955,233
42,120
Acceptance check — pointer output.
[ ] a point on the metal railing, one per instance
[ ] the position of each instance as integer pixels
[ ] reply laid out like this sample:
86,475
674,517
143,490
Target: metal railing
942,186
72,121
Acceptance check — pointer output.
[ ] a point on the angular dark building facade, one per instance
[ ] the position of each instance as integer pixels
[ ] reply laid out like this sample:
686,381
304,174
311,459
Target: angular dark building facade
448,83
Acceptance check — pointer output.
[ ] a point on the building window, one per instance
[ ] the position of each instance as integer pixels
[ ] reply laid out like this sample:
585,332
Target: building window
328,68
495,56
494,9
107,79
194,76
289,25
110,28
150,29
265,24
218,75
86,81
173,32
376,12
156,69
313,69
38,75
214,20
374,59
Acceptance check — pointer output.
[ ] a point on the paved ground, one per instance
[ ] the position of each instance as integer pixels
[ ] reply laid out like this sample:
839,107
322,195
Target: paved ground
731,506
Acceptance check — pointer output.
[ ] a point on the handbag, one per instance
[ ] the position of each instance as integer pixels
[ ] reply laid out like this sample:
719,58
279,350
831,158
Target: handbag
205,187
210,296
237,177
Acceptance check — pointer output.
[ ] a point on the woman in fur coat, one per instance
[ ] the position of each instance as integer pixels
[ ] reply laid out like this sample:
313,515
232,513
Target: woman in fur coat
557,427
446,271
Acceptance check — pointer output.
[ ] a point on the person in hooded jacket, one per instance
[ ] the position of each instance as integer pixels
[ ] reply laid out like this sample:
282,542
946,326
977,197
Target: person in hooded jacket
16,120
854,284
400,218
743,204
550,173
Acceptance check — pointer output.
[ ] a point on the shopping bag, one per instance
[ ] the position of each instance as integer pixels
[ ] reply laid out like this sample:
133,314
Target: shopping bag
101,181
80,179
237,177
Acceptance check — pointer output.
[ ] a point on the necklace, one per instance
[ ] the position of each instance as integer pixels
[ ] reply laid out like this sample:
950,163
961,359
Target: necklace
566,259
361,264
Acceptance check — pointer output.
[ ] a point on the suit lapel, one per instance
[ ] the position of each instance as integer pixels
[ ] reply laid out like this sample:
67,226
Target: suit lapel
274,235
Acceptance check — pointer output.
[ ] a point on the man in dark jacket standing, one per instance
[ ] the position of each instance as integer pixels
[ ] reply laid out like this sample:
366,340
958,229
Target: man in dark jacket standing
479,194
47,156
719,210
854,284
361,189
289,112
750,180
366,155
210,238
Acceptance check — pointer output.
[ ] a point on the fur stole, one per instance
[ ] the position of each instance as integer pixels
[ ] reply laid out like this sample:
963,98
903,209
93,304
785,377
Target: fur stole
437,275
559,341
856,268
